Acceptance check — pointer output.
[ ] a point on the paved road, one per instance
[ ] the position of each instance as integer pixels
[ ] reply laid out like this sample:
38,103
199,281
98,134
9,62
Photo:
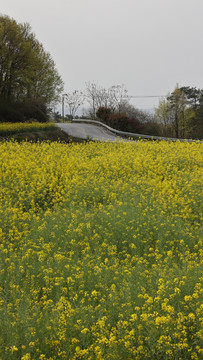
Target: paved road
89,131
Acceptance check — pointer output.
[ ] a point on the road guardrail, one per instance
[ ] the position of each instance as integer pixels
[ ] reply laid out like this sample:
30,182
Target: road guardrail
132,135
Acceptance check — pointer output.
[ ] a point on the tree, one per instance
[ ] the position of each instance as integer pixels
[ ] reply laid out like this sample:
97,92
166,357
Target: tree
118,98
133,112
181,112
114,97
91,95
27,73
200,114
74,101
193,96
164,117
177,101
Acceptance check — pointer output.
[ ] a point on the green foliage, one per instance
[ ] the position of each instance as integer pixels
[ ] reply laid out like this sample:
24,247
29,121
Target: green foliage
193,95
27,73
181,114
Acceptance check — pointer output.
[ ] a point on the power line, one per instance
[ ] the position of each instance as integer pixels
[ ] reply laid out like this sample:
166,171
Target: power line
146,96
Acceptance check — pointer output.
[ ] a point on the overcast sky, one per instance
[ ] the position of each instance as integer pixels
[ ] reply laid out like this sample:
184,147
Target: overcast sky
147,45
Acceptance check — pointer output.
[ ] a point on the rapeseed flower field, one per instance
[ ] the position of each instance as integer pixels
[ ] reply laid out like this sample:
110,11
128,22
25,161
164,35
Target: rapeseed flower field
101,251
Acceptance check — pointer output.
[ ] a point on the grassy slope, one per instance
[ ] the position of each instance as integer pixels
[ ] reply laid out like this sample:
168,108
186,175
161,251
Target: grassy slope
41,135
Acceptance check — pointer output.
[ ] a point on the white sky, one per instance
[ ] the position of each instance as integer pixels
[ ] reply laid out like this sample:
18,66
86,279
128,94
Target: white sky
147,45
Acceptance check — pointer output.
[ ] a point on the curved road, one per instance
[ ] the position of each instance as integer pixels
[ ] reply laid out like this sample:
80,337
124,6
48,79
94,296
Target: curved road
101,132
89,131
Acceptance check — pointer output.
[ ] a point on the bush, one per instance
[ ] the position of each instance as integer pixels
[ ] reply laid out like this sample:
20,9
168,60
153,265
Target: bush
134,125
9,113
120,121
33,109
103,113
13,111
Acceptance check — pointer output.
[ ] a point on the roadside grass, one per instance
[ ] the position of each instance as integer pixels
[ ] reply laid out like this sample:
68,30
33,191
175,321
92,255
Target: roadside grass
101,251
14,128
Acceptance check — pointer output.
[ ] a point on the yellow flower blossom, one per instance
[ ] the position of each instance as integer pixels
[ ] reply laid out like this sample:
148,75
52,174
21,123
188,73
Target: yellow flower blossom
100,250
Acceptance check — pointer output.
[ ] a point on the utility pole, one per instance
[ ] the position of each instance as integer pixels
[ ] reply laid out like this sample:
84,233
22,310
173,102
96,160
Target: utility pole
63,96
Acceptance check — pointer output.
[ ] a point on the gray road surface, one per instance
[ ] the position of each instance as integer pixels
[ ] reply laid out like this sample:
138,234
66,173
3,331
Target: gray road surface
89,131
